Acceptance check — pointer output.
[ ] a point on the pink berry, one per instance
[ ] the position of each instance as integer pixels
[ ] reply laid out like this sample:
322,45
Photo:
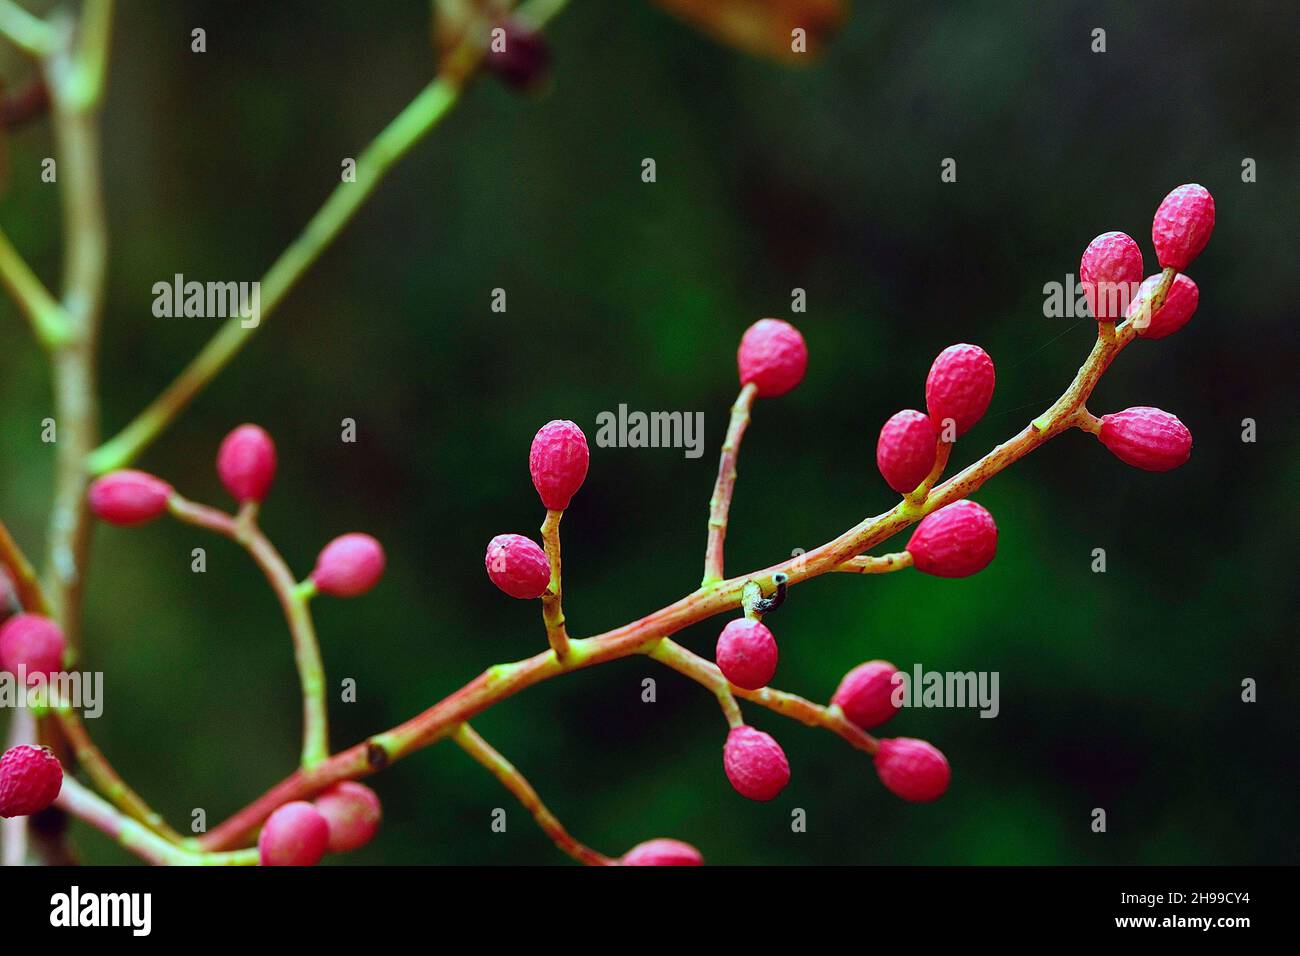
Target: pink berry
30,780
866,694
912,769
32,642
558,461
746,654
294,835
349,565
1111,266
755,763
518,566
1180,302
1182,225
905,450
128,497
663,852
1146,438
959,387
353,812
246,463
954,542
773,356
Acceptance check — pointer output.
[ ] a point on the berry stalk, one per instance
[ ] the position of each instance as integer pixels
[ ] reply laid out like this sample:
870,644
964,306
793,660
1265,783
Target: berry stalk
725,486
517,784
553,599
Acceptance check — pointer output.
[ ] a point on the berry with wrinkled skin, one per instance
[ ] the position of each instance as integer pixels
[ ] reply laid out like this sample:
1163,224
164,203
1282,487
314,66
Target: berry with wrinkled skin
30,780
296,834
1182,225
755,763
246,463
747,654
1175,312
32,642
558,462
1146,438
866,694
956,541
906,449
518,566
128,497
912,769
959,387
349,566
773,356
1111,266
663,852
352,811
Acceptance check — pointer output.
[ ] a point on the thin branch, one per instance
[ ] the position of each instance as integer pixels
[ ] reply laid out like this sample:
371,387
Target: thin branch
43,312
884,564
553,599
720,503
517,784
673,655
26,583
30,34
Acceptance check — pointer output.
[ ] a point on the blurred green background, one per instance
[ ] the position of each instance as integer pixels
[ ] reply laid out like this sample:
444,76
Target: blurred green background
1118,690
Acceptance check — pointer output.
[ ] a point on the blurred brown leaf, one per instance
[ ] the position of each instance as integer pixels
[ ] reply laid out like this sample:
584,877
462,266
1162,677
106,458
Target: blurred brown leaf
764,27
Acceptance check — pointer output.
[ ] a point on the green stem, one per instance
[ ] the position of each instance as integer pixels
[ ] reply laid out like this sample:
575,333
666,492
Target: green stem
725,485
42,311
553,599
31,34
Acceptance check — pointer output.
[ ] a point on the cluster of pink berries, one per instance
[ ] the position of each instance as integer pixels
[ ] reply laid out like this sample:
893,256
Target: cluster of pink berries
558,461
31,647
1146,437
345,817
348,566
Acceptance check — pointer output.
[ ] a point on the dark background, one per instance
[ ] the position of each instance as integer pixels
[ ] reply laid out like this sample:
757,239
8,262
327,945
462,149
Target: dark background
1118,690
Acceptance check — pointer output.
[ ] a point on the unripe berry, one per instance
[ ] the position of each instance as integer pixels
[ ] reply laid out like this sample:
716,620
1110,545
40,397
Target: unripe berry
773,356
1180,302
755,763
746,654
1182,225
959,386
352,811
246,463
956,541
866,694
33,642
518,566
912,769
906,449
663,852
1110,267
294,835
349,565
30,780
128,497
558,461
1146,438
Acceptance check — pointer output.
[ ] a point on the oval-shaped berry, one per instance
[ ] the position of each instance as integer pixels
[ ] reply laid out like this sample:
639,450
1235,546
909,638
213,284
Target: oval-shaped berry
1109,271
912,769
1179,305
1182,225
755,763
906,449
773,356
518,566
246,463
294,835
959,387
747,654
558,462
1146,438
866,694
30,780
33,643
128,497
663,852
956,541
352,811
349,565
